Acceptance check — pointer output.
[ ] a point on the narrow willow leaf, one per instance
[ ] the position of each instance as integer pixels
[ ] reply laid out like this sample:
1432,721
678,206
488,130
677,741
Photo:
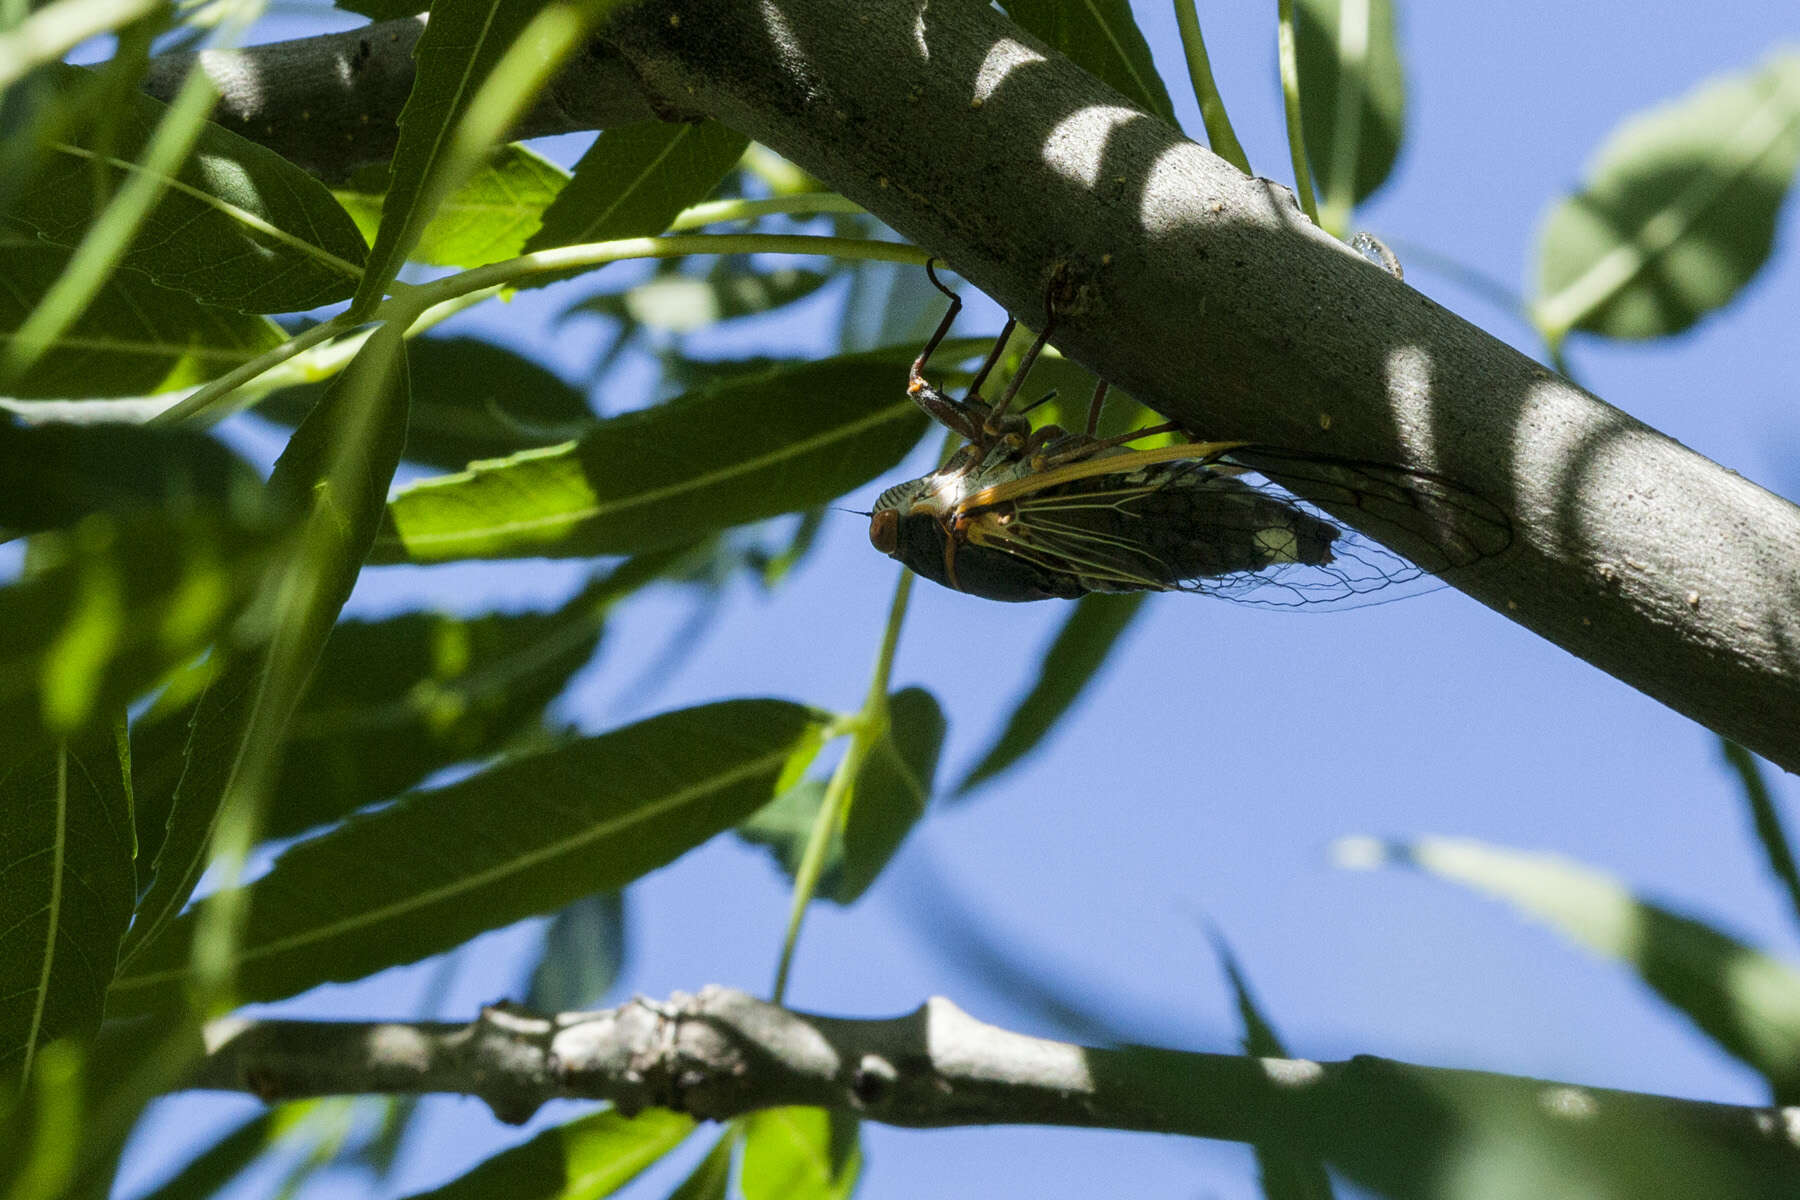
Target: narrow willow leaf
684,303
1285,1173
588,1158
57,474
1093,627
113,606
1356,135
891,791
1765,818
392,701
800,1154
584,953
65,856
485,220
136,337
1746,1001
472,400
634,180
523,837
454,57
238,226
711,1177
207,1173
1677,213
335,473
1102,38
787,441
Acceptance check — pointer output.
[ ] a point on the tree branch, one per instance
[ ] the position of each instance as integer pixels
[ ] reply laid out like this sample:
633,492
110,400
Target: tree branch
330,103
723,1054
1211,299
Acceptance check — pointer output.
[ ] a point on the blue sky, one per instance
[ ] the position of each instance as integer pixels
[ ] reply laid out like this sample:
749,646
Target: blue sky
1208,771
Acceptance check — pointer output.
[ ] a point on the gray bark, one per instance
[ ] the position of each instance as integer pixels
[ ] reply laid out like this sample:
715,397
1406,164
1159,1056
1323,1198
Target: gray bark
721,1054
1209,297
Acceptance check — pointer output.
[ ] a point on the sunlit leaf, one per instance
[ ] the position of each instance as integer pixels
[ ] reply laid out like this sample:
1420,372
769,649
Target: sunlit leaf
334,473
239,225
754,448
1102,38
634,180
800,1154
472,400
1746,1001
65,857
589,1157
456,54
523,837
1357,135
1677,212
711,1178
1094,625
485,220
136,338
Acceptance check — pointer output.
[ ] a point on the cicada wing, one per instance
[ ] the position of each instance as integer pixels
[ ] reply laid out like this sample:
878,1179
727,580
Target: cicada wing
1436,523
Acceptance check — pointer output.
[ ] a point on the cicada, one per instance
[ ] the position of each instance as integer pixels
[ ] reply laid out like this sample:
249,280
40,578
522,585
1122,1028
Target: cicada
1030,514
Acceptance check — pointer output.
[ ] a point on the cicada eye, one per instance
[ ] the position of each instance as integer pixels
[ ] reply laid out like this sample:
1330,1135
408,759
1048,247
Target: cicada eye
884,530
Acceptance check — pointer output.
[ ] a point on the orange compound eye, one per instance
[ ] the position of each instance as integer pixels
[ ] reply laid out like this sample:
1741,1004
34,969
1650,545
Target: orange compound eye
884,530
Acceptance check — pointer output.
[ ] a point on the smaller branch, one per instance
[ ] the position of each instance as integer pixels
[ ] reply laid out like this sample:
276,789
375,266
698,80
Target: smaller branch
329,103
722,1053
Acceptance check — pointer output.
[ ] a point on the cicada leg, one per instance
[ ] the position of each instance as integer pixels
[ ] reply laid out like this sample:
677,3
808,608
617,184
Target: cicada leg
970,416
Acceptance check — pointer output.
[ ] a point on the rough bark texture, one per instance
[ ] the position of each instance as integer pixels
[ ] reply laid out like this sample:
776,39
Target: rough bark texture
720,1054
1210,297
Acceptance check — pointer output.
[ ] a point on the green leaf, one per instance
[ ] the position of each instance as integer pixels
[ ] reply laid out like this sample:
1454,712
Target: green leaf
335,471
635,179
1765,817
523,837
711,1178
783,825
787,441
891,791
1677,213
238,226
65,856
584,952
136,337
1093,627
1102,38
472,400
485,220
57,474
1286,1172
684,303
207,1173
800,1154
393,700
1745,1000
1355,135
459,49
587,1158
110,607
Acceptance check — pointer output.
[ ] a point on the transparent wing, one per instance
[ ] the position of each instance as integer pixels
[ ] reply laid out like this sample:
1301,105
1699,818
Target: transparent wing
1233,532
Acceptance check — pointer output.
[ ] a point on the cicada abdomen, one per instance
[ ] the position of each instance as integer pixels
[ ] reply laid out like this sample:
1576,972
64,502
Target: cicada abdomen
1018,514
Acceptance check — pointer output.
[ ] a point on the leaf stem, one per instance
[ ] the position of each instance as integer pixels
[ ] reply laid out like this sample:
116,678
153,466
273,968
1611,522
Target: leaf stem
1290,98
867,728
1219,133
